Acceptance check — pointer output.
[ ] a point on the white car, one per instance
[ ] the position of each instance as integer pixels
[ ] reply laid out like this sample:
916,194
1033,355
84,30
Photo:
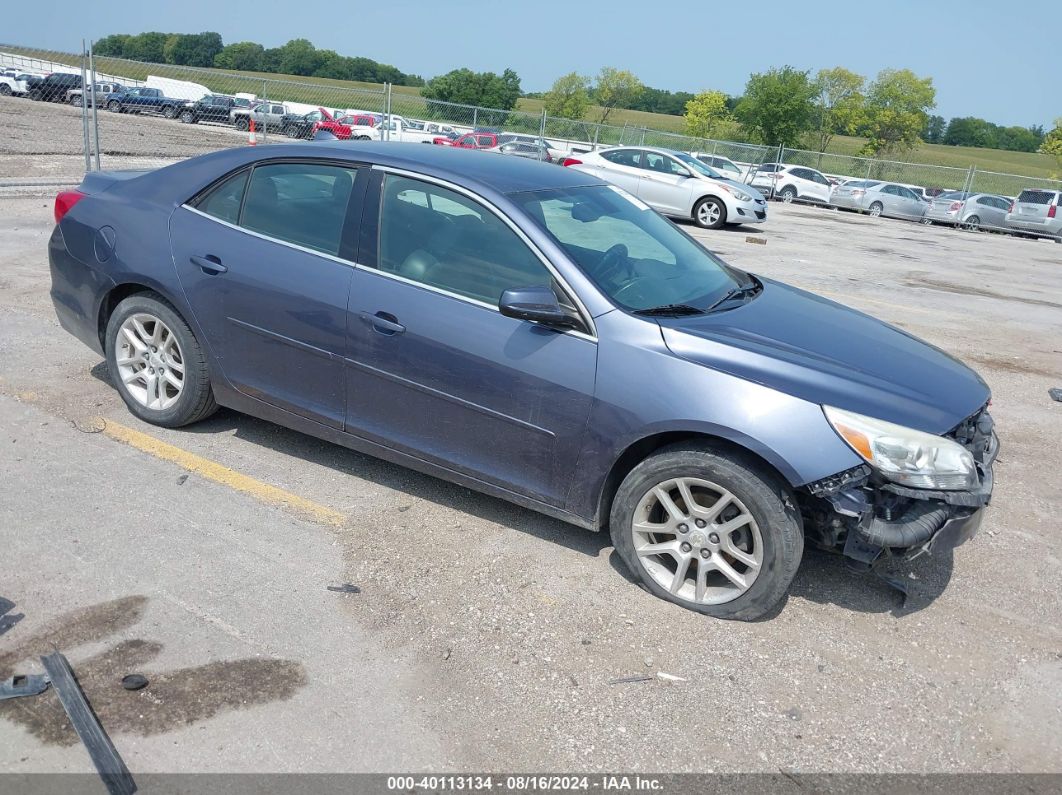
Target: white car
724,165
793,183
675,184
10,85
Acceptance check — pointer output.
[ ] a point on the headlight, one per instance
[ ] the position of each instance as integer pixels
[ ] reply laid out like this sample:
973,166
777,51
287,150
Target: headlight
737,194
904,455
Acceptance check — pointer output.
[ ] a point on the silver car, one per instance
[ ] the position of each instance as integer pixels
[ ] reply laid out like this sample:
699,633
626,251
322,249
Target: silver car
724,165
675,184
880,198
1038,211
968,210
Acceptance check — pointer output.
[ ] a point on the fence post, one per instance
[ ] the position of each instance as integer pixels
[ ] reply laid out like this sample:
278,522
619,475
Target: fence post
542,128
475,118
95,115
84,113
265,125
597,130
643,137
387,129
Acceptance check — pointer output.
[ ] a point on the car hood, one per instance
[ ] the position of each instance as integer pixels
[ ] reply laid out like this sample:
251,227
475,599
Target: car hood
825,353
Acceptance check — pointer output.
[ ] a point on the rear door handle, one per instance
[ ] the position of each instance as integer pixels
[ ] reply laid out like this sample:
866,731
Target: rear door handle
384,322
209,264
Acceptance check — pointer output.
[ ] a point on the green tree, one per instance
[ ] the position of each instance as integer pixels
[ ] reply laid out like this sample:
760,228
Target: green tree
898,105
299,57
705,113
192,49
839,103
970,131
466,87
615,88
569,97
1052,144
243,55
934,130
111,46
145,47
778,106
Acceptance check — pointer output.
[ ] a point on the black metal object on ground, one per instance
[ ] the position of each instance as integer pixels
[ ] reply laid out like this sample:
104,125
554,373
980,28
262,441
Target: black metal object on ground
116,776
18,686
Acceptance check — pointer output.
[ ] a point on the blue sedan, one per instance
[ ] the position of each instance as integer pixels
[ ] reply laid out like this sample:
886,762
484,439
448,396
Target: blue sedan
536,334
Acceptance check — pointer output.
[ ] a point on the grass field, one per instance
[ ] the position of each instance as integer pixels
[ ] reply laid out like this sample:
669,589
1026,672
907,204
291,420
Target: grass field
344,93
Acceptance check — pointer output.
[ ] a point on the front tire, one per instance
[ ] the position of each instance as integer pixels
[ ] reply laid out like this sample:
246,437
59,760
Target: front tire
114,106
168,112
157,364
5,90
187,117
709,213
242,123
711,531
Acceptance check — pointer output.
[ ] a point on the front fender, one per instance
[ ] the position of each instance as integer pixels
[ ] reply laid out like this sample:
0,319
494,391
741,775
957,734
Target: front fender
643,390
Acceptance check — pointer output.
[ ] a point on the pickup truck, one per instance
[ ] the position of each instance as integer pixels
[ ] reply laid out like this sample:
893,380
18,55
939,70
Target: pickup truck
143,100
266,115
212,107
396,130
350,126
12,86
101,92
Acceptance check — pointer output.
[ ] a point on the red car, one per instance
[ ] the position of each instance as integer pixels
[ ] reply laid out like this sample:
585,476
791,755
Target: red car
477,140
342,127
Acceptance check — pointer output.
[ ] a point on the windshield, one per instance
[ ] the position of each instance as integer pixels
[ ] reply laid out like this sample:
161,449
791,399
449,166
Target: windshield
697,165
636,257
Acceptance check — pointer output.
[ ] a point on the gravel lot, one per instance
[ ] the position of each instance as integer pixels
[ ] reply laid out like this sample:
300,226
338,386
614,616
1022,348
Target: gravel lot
485,636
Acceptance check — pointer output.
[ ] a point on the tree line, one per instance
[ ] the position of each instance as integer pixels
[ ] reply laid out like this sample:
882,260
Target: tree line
297,57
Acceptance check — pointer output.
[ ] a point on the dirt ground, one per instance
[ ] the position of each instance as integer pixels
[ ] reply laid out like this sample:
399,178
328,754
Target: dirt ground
485,636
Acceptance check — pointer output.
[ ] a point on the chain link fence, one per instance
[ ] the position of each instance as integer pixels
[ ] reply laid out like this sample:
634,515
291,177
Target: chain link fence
145,115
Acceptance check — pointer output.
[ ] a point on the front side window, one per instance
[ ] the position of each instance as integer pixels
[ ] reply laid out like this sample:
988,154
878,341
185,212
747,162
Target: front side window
636,257
301,203
443,239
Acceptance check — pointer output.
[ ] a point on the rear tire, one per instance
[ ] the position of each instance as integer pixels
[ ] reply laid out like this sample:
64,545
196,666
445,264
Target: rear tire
187,117
875,209
146,336
364,138
168,112
5,90
114,106
740,573
972,224
709,213
242,123
788,194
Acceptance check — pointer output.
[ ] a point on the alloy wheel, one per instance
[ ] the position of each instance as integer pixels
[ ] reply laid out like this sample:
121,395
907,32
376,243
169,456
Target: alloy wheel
708,213
972,224
697,540
150,361
875,210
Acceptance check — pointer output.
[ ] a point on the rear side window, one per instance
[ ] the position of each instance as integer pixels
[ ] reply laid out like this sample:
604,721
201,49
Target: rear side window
223,201
301,203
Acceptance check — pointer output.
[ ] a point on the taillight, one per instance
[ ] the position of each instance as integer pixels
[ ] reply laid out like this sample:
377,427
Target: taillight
571,161
65,201
858,192
1051,211
1011,207
955,207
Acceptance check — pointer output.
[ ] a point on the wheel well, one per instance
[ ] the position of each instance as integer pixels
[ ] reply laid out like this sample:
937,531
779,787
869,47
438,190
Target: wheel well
111,301
643,448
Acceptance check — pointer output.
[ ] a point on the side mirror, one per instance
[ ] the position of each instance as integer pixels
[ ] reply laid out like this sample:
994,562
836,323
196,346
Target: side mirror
537,304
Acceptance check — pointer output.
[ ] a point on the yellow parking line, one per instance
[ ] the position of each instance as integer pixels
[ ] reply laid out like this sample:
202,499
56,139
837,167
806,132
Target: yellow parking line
214,471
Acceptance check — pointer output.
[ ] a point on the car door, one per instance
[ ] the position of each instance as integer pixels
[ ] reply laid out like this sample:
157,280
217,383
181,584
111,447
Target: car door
911,206
665,184
621,168
265,258
436,371
818,186
991,211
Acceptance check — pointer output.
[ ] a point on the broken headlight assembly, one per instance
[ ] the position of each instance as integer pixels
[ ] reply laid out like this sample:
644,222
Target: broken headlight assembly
904,455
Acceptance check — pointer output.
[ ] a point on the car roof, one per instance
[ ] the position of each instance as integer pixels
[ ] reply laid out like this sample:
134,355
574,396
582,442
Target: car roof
461,166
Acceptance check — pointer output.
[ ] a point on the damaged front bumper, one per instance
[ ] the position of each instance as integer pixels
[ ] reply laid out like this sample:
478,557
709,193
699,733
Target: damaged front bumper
870,519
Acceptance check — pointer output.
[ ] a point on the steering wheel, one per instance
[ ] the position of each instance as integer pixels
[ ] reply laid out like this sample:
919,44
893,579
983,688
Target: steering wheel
621,294
611,261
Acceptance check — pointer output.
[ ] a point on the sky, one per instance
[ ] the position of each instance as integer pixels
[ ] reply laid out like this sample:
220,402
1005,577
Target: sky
984,62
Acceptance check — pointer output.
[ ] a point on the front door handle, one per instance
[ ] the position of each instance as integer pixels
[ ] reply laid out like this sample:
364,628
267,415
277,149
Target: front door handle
209,264
384,323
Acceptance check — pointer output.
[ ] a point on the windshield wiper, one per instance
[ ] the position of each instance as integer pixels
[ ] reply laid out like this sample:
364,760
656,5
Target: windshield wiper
669,310
749,288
